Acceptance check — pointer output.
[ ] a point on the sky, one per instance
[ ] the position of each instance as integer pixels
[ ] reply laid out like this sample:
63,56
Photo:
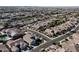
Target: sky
39,3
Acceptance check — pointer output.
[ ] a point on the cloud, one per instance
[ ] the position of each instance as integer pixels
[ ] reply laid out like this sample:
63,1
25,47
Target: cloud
39,3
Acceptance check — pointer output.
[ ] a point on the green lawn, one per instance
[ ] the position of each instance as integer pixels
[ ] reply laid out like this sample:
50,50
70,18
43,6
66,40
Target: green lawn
4,38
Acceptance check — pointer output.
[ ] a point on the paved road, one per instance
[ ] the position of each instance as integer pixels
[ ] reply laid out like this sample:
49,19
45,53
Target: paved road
50,42
40,34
